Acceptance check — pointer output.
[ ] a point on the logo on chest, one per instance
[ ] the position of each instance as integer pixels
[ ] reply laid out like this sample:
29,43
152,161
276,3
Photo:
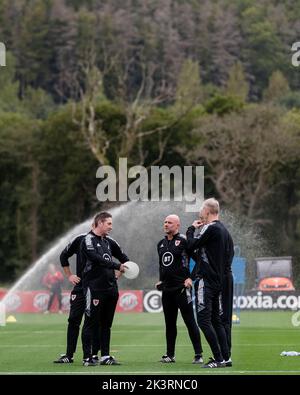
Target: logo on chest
167,258
106,256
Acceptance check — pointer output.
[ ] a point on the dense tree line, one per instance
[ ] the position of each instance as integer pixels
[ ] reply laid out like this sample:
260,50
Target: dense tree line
159,82
147,40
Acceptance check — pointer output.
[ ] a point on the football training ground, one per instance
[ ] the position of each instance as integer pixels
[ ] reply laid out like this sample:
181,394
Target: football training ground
30,345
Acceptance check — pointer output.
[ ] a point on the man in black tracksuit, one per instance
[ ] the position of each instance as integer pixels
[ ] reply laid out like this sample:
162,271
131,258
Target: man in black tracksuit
211,251
77,301
175,284
100,284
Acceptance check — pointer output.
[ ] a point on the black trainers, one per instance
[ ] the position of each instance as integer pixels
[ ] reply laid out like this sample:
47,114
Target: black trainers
109,361
212,364
64,359
198,359
167,359
228,363
89,362
96,359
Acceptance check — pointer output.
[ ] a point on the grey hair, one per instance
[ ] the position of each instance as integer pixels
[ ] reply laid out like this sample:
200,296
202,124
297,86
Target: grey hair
212,204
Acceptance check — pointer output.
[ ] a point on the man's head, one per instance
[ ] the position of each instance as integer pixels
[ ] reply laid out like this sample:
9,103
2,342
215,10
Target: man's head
171,224
209,210
102,223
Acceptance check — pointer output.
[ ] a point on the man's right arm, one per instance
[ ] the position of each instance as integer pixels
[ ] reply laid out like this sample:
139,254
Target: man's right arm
196,242
71,249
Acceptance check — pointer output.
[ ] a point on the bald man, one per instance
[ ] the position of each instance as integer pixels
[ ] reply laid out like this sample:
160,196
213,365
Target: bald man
175,284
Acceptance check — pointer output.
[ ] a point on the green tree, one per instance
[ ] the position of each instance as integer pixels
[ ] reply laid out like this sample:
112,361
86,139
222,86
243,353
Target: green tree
33,46
9,88
18,193
245,153
237,85
188,92
67,179
220,104
263,49
36,103
278,87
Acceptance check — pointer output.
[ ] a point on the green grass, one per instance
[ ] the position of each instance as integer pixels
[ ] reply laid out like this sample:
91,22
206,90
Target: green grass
138,341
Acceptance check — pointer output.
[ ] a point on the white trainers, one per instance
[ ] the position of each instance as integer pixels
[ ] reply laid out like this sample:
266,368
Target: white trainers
167,359
212,364
109,361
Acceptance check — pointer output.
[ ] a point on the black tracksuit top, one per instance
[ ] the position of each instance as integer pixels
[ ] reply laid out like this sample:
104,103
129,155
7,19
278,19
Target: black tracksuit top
212,251
74,248
99,270
173,262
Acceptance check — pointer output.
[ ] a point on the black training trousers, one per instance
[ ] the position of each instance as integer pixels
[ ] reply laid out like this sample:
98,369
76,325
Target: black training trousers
209,310
77,309
227,303
99,314
171,302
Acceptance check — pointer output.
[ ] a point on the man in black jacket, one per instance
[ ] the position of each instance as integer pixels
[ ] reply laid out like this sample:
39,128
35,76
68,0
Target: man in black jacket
100,284
212,252
174,282
77,301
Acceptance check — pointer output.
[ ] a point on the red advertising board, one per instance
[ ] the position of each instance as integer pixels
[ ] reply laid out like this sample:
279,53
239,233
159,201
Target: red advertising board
2,292
37,301
34,302
130,301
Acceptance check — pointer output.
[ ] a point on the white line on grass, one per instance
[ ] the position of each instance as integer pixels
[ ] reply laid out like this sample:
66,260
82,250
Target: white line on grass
143,345
63,331
144,330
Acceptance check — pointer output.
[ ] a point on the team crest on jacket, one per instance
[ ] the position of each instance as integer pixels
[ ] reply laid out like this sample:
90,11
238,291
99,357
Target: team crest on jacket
177,242
73,297
95,302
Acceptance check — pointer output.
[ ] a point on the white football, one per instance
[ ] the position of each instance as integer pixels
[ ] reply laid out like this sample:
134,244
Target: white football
132,270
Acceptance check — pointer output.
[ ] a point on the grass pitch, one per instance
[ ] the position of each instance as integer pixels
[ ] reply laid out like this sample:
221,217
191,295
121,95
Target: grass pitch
30,345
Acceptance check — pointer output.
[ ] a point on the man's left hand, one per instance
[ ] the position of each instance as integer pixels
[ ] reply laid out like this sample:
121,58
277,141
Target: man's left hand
188,283
118,274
